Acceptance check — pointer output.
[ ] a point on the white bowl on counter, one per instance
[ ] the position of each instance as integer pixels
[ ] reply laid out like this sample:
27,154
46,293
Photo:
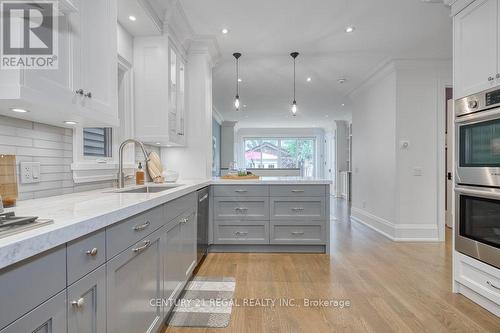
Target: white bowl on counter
170,176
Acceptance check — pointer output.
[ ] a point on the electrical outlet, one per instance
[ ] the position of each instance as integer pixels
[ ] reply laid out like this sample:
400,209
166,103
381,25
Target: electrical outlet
29,172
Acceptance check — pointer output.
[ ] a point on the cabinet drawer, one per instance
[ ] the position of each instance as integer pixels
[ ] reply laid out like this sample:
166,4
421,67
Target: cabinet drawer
87,303
236,191
251,208
30,283
179,206
85,255
299,209
479,277
239,232
124,234
49,317
297,233
298,191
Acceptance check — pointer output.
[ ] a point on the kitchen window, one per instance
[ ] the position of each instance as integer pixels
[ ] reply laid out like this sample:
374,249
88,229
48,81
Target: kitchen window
281,153
98,142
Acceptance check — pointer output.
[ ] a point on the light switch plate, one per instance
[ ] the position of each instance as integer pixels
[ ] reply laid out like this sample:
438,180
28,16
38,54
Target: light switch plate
29,172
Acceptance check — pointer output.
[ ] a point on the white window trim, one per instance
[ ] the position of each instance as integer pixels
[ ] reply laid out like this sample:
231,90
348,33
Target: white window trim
87,169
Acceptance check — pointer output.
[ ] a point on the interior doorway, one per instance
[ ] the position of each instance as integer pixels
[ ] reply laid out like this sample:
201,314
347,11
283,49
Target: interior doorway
449,146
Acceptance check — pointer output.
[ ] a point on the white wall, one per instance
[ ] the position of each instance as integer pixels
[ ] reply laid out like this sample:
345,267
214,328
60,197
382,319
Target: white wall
316,133
374,160
404,101
125,43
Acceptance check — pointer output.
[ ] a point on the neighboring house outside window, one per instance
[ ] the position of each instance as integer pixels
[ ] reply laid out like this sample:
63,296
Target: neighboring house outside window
282,153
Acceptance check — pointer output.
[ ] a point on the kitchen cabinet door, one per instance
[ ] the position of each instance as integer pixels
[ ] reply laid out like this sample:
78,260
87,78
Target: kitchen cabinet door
87,303
174,274
189,242
133,281
96,69
476,48
49,317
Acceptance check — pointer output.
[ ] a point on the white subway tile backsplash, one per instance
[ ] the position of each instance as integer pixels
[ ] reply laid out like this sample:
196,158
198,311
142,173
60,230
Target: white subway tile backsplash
51,146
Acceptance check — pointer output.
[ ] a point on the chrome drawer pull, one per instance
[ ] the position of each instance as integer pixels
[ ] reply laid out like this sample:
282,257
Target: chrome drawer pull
204,198
241,209
492,285
240,191
141,227
297,233
92,252
297,209
79,303
184,220
240,233
297,191
142,248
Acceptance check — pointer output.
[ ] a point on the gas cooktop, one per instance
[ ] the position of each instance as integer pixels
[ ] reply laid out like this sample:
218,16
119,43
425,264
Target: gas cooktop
11,224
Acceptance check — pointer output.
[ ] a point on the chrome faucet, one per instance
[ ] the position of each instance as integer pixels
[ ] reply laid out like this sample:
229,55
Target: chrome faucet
121,176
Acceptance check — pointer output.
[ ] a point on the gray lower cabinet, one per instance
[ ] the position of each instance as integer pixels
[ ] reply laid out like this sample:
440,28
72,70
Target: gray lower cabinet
179,256
241,232
134,279
249,208
49,317
87,303
173,274
298,232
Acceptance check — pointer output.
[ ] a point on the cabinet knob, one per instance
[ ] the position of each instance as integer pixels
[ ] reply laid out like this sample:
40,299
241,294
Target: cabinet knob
89,95
79,92
490,78
78,303
92,252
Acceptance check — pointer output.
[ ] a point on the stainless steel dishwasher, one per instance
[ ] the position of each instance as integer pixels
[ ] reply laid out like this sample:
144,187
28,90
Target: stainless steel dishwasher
203,211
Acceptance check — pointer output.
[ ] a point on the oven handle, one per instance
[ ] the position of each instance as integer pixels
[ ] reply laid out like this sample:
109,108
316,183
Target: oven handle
478,193
478,116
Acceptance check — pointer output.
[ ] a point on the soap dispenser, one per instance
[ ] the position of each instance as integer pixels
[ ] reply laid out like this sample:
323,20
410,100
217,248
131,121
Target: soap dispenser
139,175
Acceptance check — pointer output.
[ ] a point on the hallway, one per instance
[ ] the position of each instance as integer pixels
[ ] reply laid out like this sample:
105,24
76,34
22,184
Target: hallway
391,287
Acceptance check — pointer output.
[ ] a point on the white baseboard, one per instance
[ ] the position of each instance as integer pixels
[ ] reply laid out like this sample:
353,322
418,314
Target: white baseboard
396,232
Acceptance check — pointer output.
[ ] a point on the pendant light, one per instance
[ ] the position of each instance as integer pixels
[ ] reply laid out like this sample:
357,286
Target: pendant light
237,98
294,103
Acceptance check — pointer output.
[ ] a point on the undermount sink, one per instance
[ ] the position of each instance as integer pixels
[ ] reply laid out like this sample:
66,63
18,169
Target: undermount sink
148,189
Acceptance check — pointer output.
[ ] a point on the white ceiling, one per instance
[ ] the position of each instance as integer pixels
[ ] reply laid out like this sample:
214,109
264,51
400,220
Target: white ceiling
267,31
144,25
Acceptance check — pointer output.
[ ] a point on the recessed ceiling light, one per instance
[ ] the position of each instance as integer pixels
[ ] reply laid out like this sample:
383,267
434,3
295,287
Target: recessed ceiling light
158,143
309,79
350,28
225,31
240,80
343,104
132,18
19,110
244,105
342,80
70,122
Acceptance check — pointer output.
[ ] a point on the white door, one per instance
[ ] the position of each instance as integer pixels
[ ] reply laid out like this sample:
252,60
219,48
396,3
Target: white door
476,48
96,59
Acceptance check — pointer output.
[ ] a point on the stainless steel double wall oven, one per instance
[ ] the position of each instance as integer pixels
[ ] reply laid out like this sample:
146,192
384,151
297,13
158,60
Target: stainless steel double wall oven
477,176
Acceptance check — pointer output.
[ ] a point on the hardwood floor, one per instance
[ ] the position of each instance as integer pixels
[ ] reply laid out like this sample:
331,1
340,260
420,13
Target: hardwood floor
392,287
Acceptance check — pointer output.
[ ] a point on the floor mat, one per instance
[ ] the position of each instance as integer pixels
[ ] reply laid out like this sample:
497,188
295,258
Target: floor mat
206,302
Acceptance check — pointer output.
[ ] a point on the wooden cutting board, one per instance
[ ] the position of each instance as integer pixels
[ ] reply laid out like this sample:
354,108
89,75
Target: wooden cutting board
155,168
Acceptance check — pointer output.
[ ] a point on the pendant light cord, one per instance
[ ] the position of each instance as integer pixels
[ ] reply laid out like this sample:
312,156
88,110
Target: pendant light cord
237,76
294,79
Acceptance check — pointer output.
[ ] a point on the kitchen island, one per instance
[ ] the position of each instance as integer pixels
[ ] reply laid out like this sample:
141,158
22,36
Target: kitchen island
104,244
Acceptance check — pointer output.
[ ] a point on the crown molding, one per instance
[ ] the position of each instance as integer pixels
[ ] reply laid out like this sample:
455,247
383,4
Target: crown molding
205,44
217,116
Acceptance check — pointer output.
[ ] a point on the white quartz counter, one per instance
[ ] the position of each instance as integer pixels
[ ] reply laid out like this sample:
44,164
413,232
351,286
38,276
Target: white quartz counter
78,214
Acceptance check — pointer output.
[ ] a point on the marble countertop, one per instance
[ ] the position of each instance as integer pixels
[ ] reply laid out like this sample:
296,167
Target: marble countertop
78,214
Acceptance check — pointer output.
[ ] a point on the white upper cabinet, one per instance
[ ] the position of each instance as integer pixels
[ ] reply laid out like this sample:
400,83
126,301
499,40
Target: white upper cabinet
83,88
476,48
96,59
159,91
